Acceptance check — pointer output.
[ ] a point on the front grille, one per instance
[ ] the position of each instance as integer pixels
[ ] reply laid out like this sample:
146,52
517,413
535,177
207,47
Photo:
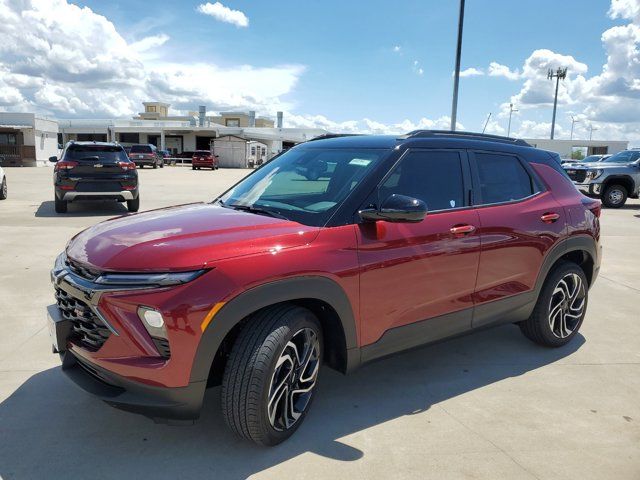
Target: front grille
82,271
577,175
86,328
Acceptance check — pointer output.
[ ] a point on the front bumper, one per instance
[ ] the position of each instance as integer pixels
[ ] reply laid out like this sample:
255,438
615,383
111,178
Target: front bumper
158,403
589,188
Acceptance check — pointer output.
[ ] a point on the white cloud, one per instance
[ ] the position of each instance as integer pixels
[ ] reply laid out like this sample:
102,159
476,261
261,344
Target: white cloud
147,43
367,125
224,14
498,70
397,48
625,9
63,60
471,72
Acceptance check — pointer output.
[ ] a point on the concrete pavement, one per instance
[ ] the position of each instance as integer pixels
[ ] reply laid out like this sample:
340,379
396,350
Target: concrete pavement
489,405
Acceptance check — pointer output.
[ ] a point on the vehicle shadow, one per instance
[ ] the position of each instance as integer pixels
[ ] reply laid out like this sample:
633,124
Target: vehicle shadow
49,426
83,209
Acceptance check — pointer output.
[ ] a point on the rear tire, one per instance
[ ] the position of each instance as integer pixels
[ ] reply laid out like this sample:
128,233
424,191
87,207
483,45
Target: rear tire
133,205
60,206
277,353
3,189
614,196
561,307
155,165
162,164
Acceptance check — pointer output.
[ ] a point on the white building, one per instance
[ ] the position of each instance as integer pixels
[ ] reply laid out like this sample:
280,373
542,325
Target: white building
27,139
589,147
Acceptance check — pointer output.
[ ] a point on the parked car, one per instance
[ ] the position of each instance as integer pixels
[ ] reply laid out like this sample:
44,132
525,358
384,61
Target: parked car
3,184
403,241
613,179
94,171
204,159
147,154
127,150
587,159
165,154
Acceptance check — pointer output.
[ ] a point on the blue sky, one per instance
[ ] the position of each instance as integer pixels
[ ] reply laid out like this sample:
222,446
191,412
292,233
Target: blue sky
380,61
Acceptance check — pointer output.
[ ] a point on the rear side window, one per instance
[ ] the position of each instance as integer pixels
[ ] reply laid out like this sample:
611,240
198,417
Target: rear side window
502,178
141,149
96,153
433,177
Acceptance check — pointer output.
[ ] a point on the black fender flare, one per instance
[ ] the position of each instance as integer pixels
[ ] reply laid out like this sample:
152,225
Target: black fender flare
612,179
583,243
249,301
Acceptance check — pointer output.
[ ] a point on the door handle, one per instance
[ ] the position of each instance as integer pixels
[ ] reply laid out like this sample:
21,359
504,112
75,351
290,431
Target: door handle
462,229
549,217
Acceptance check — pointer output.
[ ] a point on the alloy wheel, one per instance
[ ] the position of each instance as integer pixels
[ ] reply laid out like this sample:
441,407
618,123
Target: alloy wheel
293,379
567,305
615,196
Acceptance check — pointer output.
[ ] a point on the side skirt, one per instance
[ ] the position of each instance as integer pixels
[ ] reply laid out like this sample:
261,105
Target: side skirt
508,310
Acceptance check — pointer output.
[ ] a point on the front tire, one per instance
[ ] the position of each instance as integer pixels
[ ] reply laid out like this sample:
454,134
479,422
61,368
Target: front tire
3,189
561,307
614,196
60,206
271,374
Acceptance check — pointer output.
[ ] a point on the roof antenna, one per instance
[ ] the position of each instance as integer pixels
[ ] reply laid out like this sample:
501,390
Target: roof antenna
487,122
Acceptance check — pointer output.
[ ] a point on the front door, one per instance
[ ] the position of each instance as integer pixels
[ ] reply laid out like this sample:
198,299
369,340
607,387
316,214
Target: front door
412,272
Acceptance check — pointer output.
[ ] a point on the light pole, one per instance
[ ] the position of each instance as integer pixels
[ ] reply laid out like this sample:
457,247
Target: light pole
511,110
591,130
456,75
487,122
561,73
574,120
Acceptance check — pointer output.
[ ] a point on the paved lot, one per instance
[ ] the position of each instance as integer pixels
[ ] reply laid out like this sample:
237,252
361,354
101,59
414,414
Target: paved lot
490,405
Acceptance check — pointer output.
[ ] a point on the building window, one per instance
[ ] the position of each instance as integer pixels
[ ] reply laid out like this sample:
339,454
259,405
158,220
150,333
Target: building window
129,137
42,137
151,108
253,151
8,139
232,122
264,151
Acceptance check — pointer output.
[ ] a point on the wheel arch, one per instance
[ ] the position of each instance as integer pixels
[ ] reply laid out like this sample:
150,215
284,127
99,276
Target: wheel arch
323,296
624,180
581,250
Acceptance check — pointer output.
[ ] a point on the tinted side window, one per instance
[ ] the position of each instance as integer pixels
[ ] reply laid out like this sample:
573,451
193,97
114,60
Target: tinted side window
434,177
502,178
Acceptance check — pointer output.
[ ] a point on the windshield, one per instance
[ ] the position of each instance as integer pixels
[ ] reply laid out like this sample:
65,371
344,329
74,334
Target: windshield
305,185
141,149
627,156
95,153
591,158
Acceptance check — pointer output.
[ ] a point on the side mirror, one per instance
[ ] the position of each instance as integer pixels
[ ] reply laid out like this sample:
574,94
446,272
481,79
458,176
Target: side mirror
397,208
53,159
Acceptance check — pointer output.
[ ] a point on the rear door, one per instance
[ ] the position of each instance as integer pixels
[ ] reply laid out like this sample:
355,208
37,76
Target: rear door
419,271
519,222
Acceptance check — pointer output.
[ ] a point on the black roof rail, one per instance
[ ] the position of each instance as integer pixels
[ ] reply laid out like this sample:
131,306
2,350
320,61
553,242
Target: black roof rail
469,135
325,136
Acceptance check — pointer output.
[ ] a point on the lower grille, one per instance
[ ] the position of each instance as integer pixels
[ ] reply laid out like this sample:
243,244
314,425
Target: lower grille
162,344
577,175
86,328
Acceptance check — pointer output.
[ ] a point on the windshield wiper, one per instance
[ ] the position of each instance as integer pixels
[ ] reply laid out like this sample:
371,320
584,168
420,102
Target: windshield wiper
256,210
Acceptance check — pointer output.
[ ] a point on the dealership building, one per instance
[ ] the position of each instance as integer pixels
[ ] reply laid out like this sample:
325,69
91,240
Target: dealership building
240,139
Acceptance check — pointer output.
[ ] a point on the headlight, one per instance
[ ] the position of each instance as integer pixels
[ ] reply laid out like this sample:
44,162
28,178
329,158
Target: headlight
60,261
593,174
151,279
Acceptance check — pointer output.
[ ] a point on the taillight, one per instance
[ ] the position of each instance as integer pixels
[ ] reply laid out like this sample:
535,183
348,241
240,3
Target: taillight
127,165
65,165
594,206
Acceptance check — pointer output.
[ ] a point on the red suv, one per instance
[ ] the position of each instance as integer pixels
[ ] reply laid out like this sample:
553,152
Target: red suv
204,159
337,252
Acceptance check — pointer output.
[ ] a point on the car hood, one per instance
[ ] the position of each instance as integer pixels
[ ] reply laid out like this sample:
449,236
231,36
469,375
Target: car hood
595,165
185,237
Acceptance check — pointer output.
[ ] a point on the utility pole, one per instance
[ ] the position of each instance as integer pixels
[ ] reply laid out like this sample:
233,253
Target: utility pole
559,74
574,120
487,122
511,110
456,75
591,130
